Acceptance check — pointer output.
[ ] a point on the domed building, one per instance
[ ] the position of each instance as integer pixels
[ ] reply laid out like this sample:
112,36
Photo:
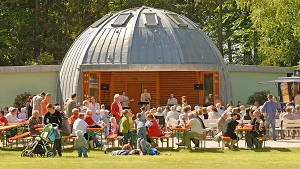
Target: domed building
144,48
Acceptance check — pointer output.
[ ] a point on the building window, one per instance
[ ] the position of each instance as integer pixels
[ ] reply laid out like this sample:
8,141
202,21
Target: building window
122,19
175,18
150,19
94,85
100,21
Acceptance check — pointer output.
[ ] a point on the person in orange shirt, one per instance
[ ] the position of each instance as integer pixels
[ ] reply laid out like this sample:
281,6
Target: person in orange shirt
44,103
88,118
72,119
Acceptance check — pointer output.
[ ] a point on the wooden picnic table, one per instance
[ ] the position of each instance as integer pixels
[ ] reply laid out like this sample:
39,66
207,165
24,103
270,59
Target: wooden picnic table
7,128
240,129
94,131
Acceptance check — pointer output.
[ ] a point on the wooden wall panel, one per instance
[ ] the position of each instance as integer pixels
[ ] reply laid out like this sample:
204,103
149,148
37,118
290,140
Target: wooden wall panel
179,84
147,79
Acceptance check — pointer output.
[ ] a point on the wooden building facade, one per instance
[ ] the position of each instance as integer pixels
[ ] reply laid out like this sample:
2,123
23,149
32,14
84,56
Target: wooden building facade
160,85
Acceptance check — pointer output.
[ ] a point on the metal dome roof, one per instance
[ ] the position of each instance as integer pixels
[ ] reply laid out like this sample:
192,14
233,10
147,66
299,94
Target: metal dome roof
138,36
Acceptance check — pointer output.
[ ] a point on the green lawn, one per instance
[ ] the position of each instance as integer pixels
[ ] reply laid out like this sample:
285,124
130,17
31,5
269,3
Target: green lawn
208,158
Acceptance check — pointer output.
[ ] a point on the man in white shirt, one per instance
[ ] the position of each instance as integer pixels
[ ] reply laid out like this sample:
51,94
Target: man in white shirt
36,103
146,97
172,101
12,116
196,129
297,98
125,100
172,117
81,125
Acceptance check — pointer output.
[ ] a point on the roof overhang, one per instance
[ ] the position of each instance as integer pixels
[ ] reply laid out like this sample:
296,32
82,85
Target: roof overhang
283,79
152,67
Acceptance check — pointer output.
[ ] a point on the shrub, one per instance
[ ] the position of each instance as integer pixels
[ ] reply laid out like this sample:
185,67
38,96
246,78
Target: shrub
21,100
260,96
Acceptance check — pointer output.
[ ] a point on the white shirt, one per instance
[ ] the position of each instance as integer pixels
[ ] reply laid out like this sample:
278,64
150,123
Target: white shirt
94,107
173,114
102,112
172,101
120,108
12,119
125,100
79,124
196,126
213,115
158,114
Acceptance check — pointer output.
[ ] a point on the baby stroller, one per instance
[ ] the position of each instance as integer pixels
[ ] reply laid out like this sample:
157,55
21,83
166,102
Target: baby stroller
38,146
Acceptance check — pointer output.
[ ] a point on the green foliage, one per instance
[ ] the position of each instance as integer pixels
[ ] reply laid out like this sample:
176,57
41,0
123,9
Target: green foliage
277,22
260,97
252,32
21,100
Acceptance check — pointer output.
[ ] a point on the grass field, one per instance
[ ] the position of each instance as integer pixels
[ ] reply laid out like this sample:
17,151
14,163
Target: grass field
208,158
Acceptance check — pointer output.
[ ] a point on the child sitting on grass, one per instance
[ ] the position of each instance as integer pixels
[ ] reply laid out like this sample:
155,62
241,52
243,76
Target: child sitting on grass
81,144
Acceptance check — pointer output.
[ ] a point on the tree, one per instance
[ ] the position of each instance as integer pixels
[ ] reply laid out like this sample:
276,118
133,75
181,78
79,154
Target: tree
277,22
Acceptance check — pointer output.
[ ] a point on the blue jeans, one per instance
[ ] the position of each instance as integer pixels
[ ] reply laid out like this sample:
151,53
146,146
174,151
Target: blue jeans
82,150
272,122
126,137
139,133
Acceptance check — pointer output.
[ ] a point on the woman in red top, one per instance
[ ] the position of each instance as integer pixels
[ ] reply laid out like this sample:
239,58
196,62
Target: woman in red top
72,119
3,120
88,118
153,128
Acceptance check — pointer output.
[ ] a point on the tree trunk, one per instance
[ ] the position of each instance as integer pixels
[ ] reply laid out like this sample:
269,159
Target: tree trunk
255,49
229,43
220,27
37,29
107,8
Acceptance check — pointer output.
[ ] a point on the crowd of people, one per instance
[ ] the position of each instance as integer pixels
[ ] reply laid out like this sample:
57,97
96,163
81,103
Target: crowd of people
73,118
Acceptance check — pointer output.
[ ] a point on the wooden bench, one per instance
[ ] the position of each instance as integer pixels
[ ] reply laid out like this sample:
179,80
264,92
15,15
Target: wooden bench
290,125
167,138
224,139
65,139
17,137
112,138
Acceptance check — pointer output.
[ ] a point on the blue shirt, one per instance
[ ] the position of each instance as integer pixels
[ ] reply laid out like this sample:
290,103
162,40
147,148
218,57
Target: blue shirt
270,108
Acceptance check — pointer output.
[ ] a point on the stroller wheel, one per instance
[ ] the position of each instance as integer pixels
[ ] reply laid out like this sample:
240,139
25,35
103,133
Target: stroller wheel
31,155
23,153
50,154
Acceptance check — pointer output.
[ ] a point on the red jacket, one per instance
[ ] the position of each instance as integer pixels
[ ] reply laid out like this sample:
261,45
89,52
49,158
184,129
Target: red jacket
114,108
154,130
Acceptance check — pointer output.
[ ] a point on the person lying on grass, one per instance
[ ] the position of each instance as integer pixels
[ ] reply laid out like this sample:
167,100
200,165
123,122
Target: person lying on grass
127,150
143,148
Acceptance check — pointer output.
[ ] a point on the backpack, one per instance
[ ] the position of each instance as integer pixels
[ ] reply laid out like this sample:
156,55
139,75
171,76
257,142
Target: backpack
153,151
